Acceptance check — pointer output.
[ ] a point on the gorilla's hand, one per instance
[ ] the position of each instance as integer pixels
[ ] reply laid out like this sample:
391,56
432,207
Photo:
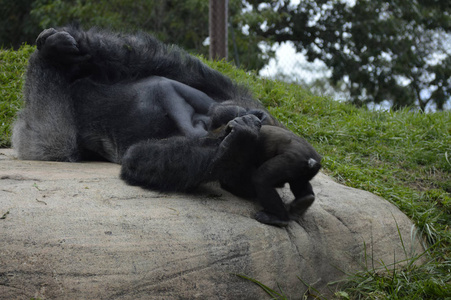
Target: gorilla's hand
244,127
241,134
59,46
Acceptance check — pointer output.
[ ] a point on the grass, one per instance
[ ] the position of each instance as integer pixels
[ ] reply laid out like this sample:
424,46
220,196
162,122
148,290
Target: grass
12,69
402,156
429,280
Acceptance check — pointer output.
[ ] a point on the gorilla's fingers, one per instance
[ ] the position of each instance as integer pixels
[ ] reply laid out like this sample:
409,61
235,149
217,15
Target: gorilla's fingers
253,119
240,133
250,121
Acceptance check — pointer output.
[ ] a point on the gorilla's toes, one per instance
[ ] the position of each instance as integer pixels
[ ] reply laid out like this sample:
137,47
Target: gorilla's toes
63,42
40,41
265,218
60,46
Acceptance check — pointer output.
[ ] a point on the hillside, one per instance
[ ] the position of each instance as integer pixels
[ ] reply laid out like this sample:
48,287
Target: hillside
402,156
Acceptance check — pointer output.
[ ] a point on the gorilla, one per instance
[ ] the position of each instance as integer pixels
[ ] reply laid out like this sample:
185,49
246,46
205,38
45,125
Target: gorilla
172,122
280,157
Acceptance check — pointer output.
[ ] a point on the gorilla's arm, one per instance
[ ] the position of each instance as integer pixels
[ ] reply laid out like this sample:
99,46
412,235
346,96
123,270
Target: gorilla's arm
181,164
45,128
236,157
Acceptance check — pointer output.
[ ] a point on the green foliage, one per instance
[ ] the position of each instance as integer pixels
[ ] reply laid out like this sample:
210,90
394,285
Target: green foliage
184,23
168,20
50,13
12,69
378,51
245,46
17,27
397,51
274,294
428,281
403,156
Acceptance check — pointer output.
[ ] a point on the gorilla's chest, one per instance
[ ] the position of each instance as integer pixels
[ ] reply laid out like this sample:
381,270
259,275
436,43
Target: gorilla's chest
111,118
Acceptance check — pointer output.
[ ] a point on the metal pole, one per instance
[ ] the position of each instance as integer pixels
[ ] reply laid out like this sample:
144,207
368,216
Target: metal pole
218,28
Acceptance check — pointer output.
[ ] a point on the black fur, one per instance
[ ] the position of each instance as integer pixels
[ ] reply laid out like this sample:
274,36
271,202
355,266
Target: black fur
283,157
97,93
151,107
280,157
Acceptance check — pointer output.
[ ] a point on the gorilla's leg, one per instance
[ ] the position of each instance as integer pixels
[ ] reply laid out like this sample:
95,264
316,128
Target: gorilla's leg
300,185
266,178
45,128
176,164
304,196
59,46
186,106
109,58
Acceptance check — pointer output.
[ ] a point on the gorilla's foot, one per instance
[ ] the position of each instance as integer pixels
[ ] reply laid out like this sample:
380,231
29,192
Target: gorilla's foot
59,46
40,41
265,218
300,205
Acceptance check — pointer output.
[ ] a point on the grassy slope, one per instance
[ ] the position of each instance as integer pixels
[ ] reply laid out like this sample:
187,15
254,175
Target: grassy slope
402,156
12,69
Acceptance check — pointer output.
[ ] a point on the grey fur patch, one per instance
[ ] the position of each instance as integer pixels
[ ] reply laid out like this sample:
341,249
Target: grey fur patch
312,163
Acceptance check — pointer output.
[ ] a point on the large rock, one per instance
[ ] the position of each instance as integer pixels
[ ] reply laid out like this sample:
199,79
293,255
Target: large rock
76,231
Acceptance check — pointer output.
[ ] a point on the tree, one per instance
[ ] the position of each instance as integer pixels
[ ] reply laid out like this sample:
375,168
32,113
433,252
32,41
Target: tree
16,23
398,50
184,23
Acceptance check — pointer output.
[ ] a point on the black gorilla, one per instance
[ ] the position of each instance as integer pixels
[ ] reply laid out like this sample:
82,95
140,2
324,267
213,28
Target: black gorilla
132,100
284,157
280,157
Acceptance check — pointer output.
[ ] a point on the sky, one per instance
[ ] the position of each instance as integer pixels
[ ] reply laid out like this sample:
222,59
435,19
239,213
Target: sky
295,67
294,64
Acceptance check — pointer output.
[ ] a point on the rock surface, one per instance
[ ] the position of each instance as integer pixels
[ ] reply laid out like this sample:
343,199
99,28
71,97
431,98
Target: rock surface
76,231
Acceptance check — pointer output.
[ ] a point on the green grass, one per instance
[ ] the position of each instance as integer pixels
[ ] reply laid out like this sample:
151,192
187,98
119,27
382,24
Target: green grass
402,156
12,69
